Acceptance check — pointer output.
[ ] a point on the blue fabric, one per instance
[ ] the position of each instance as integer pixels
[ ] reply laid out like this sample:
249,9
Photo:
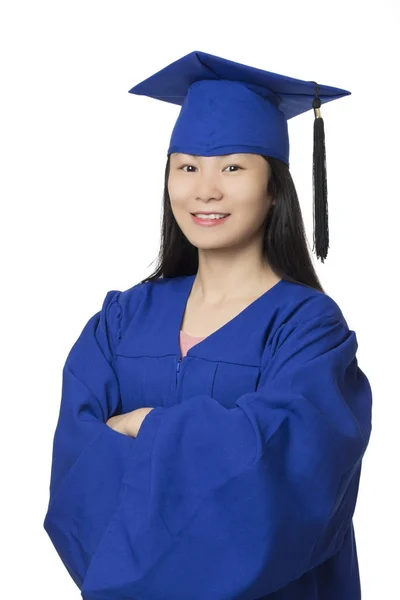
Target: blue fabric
242,482
228,107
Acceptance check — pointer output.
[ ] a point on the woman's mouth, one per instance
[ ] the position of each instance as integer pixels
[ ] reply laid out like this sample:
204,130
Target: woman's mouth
209,220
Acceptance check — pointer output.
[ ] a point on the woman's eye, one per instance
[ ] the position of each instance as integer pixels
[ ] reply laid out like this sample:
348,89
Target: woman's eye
236,166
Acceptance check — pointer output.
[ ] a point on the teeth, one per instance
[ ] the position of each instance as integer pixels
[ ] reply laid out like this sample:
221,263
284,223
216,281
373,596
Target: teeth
212,216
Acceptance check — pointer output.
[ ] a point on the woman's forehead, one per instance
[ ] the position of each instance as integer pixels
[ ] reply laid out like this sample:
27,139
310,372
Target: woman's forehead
215,157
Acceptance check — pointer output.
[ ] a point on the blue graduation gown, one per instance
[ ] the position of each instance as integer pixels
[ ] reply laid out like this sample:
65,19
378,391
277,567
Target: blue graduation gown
242,481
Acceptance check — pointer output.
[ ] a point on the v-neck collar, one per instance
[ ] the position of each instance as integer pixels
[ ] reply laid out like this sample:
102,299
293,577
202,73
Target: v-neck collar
219,337
155,328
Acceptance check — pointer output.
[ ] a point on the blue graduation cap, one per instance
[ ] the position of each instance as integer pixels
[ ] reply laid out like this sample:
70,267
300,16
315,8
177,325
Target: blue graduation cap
228,108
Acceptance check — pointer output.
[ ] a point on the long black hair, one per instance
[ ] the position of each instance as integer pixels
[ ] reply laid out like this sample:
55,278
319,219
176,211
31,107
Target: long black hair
285,244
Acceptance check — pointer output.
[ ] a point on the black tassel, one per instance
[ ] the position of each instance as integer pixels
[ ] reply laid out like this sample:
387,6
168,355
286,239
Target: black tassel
320,190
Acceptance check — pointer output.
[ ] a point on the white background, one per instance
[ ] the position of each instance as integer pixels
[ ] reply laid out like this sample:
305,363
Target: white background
82,167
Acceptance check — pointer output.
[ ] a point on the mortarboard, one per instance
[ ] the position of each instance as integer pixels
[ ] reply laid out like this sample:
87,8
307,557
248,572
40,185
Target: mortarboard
228,108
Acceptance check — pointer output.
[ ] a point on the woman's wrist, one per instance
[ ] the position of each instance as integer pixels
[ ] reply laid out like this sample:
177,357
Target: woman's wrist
134,420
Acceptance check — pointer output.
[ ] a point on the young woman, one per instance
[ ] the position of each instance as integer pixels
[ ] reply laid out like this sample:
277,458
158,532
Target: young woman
214,416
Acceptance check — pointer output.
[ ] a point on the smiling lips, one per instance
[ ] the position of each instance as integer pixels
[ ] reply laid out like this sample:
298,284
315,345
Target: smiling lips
210,213
209,219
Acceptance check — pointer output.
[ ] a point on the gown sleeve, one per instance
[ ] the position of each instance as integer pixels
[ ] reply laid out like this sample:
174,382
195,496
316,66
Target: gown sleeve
240,502
89,458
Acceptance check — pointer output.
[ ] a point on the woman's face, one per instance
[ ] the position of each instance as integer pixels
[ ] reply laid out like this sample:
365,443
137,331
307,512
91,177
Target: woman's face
234,183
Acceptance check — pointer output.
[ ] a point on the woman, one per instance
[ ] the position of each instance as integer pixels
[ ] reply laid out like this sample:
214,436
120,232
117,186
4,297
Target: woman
214,417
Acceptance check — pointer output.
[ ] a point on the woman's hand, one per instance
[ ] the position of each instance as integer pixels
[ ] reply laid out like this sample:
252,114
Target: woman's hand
119,423
129,423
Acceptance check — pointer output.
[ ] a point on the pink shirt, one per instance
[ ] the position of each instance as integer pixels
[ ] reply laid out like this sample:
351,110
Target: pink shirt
187,341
